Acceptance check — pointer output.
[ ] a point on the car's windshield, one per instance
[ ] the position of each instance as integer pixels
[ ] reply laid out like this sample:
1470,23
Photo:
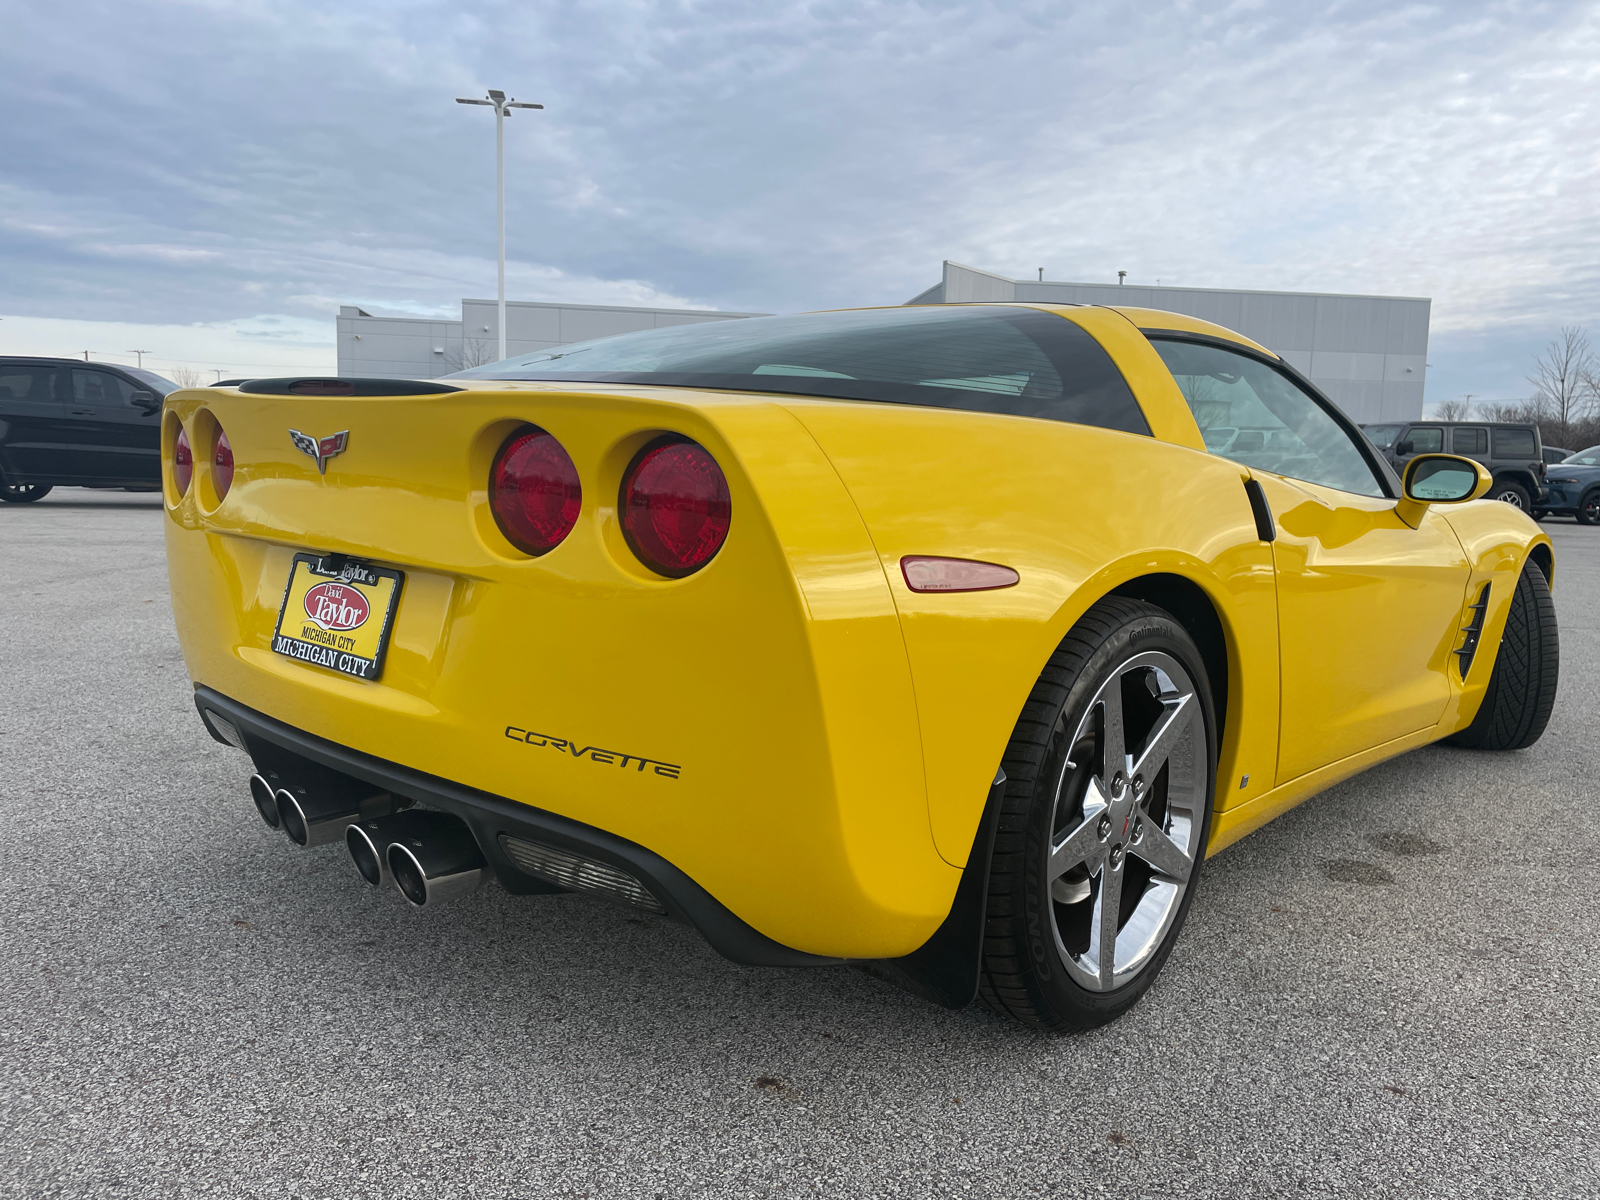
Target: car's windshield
981,358
1583,458
157,384
1382,436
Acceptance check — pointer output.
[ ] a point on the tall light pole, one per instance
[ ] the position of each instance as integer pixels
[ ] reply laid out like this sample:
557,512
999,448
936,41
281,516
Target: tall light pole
502,109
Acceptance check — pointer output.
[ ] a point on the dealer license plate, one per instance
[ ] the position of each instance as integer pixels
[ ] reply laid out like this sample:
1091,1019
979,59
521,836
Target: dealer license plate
337,613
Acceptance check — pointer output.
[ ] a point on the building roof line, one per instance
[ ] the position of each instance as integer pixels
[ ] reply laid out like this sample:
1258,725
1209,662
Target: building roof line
698,312
1166,287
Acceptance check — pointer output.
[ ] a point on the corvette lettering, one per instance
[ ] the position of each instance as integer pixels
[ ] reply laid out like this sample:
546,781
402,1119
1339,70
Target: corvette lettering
593,753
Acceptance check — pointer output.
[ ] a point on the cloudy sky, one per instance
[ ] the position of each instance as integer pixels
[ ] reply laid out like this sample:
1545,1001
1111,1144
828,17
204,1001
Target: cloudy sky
209,180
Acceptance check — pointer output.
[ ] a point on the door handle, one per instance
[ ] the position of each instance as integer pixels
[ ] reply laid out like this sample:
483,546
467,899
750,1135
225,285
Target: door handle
83,412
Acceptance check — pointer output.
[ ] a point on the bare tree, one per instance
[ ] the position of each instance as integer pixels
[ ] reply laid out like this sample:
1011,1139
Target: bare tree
1210,407
187,377
1564,376
474,352
1452,410
1509,411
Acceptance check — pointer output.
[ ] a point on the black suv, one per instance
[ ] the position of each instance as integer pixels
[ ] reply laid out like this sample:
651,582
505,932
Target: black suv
84,424
1512,452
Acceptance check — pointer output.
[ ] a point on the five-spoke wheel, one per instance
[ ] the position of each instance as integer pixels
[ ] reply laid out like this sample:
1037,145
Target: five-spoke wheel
1125,830
1110,775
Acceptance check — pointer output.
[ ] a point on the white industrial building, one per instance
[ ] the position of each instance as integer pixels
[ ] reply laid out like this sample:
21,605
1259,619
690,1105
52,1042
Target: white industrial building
420,348
1369,353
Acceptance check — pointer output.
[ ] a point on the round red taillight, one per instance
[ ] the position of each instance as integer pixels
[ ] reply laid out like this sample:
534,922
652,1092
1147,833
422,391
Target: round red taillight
675,507
534,491
222,465
182,462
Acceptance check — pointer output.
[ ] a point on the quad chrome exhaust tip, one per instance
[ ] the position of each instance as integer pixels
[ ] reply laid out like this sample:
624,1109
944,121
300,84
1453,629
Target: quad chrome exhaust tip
315,810
315,821
368,844
432,857
266,801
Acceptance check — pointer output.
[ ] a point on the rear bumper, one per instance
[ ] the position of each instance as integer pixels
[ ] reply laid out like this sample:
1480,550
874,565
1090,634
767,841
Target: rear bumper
490,816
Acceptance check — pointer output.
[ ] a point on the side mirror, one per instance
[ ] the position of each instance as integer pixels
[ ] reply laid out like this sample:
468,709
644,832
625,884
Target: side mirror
1404,448
148,401
1440,479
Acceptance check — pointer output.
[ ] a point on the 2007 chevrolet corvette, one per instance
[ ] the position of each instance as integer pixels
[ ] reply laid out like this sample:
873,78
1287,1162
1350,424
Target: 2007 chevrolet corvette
948,638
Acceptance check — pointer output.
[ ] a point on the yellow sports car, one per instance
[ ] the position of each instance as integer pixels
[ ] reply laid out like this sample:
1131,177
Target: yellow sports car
949,639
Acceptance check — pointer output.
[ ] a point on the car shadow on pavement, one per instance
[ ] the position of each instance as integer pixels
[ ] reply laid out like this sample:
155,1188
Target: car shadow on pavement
570,965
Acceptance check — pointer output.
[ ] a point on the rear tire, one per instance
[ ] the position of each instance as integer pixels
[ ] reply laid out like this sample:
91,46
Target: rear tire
1589,507
1522,689
1110,775
1512,493
23,493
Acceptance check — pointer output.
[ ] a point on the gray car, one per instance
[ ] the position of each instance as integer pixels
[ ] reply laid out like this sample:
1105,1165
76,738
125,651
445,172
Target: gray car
1573,488
1513,452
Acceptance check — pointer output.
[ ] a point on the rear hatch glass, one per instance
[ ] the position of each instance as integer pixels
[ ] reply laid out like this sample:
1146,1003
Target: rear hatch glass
992,359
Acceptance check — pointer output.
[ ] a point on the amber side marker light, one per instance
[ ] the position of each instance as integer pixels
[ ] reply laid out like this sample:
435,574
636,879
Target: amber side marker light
222,465
534,491
182,462
925,573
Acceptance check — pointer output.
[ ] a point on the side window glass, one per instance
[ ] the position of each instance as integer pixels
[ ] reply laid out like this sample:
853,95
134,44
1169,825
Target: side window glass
100,388
28,384
1251,414
1514,443
1469,441
1426,439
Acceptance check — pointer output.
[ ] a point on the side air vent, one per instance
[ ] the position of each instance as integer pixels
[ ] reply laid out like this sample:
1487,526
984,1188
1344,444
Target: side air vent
1473,630
1261,510
344,387
579,874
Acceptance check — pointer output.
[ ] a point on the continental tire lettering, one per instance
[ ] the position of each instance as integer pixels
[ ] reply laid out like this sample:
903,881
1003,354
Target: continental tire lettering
594,754
1036,945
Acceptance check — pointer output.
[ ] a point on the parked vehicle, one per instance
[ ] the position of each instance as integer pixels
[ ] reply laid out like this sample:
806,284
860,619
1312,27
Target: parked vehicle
63,421
1573,488
1555,454
1511,451
933,636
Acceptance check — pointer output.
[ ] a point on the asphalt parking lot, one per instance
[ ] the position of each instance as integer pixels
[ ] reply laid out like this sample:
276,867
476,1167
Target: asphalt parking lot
1393,990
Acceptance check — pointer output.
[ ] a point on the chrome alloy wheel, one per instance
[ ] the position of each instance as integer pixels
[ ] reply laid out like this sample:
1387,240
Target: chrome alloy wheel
1129,806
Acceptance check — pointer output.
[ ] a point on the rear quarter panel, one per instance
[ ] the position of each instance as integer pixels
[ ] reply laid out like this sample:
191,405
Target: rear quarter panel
1077,511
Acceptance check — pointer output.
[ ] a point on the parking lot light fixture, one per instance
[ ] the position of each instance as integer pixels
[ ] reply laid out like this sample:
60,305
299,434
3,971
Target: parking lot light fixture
502,106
